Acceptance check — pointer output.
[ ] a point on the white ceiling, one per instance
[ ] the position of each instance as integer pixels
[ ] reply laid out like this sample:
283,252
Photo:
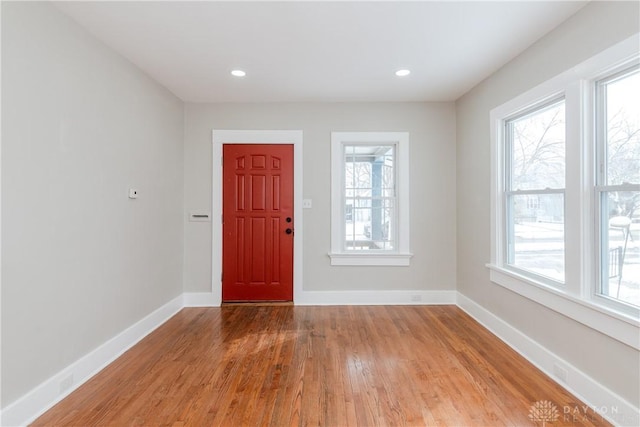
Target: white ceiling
319,51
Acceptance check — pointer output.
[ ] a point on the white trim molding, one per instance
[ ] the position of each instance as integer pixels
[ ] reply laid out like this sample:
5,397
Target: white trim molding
370,259
221,137
405,297
200,299
400,255
41,398
598,398
619,326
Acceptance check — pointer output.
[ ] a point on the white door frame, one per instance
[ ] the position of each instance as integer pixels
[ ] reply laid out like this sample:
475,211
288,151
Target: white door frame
221,137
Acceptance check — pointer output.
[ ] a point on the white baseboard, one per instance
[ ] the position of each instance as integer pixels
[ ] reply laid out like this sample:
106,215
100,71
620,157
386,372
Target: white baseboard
201,299
375,298
37,401
601,401
206,299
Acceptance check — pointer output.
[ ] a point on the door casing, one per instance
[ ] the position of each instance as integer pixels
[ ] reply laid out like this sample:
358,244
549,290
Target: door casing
221,137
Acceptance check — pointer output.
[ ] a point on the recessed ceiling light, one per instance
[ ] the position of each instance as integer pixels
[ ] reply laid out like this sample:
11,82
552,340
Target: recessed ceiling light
402,73
238,73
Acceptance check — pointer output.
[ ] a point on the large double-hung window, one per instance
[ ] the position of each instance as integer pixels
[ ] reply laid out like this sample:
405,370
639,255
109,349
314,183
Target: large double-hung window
565,194
534,189
617,118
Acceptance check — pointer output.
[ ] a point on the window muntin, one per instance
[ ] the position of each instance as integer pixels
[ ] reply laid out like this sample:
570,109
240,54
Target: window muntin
534,190
618,186
369,197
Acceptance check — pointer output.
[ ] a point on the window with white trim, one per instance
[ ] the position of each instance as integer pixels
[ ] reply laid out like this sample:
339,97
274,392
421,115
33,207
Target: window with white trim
565,193
370,210
617,192
534,191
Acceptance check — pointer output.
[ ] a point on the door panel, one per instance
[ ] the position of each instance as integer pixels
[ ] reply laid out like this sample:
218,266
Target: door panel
257,251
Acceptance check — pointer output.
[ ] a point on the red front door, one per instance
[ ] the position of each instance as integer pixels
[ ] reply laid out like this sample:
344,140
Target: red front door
257,209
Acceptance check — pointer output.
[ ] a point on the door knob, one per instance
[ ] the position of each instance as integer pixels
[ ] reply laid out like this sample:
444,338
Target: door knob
288,231
288,219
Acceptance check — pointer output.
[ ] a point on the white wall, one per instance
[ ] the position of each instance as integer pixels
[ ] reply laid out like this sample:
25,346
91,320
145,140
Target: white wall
81,262
594,28
432,148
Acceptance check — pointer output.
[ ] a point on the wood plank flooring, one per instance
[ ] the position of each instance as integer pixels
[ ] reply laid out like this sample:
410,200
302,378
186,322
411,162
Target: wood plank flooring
321,366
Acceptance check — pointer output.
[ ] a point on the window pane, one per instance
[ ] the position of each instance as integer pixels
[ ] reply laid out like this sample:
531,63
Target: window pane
371,228
537,149
622,103
380,231
369,224
358,174
369,197
620,252
362,193
537,234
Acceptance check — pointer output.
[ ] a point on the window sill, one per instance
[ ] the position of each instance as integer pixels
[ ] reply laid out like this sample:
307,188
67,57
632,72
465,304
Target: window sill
617,325
388,259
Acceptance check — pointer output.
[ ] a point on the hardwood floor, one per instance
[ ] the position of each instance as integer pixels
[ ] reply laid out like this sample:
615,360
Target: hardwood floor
323,366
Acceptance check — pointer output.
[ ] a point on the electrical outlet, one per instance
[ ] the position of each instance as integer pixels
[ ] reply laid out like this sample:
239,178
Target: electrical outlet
561,373
416,298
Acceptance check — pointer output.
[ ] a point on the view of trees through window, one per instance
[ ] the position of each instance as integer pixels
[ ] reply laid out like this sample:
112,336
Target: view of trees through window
535,182
619,177
535,198
369,197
